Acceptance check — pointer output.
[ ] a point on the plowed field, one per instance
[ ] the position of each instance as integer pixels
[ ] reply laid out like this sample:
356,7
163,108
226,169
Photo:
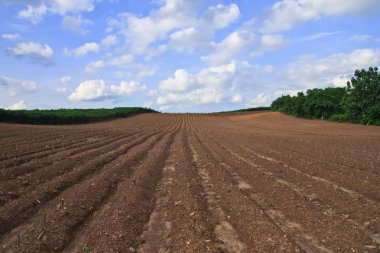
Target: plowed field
261,182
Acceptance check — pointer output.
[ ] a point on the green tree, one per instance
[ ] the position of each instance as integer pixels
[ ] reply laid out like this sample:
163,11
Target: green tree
323,103
363,95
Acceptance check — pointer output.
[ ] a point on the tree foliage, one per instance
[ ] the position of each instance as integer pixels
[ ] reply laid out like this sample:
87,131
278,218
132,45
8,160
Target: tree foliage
362,100
316,103
358,102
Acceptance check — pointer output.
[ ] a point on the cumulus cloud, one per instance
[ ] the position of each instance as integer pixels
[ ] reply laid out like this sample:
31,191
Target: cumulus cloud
142,31
227,82
196,97
32,49
176,20
201,33
334,70
33,14
187,39
68,6
98,90
76,23
208,86
181,81
10,36
286,14
243,41
21,105
268,42
220,16
228,49
36,10
213,85
118,62
83,50
36,53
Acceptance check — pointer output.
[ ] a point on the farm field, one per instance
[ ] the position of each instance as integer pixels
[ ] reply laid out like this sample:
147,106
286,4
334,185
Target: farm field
262,182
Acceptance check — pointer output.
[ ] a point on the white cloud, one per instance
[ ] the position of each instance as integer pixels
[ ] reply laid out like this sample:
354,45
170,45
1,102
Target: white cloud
66,6
187,39
32,49
141,32
35,11
237,98
269,42
181,81
83,50
10,36
208,86
17,106
176,20
110,40
220,16
228,49
92,90
65,79
286,14
259,100
33,14
89,90
118,62
76,23
196,97
21,85
311,72
361,38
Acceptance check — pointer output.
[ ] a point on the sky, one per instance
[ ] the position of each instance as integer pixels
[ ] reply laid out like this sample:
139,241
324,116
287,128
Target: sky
179,55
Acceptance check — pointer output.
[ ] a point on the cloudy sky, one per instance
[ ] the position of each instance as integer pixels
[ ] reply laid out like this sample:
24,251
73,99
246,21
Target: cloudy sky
179,55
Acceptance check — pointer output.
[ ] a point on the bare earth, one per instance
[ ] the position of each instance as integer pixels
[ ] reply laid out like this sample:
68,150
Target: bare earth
261,182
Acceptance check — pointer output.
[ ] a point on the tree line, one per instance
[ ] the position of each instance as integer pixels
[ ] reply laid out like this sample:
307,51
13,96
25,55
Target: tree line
68,116
358,102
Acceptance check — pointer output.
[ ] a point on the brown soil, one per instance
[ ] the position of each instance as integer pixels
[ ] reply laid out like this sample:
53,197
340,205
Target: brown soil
262,182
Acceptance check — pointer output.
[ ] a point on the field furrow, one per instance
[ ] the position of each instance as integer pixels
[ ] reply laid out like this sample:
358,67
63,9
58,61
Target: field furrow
61,216
256,182
17,211
297,213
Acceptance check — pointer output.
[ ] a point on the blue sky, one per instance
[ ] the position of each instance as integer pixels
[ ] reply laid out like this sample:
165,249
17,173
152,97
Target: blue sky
179,55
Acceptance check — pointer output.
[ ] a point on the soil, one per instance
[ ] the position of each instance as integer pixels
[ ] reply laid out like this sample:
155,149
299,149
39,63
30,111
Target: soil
262,182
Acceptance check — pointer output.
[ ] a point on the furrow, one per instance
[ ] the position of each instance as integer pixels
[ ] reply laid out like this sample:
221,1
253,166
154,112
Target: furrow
28,180
30,166
42,149
57,220
278,195
15,212
116,226
180,221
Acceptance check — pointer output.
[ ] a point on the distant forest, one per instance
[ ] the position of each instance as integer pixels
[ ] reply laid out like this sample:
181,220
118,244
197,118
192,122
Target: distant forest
68,116
358,102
